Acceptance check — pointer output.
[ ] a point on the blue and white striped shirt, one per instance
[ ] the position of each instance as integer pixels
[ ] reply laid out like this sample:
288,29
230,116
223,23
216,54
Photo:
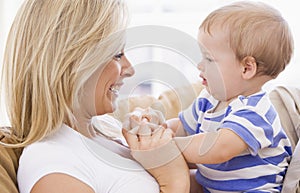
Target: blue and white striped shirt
259,169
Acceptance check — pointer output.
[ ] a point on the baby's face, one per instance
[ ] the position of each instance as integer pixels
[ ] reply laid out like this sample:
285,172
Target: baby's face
220,70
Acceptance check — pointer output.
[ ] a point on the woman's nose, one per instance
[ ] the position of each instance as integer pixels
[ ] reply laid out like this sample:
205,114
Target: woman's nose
128,69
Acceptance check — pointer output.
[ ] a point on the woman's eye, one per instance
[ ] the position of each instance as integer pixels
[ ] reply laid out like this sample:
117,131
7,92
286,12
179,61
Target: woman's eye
208,59
118,56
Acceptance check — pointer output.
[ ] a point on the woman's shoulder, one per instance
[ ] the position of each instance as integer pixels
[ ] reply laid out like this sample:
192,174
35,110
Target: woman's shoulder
59,143
57,152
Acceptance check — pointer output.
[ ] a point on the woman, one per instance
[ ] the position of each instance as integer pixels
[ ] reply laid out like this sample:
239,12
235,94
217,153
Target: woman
64,63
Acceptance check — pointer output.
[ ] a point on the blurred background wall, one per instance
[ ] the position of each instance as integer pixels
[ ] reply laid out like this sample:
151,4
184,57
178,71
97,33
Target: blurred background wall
182,15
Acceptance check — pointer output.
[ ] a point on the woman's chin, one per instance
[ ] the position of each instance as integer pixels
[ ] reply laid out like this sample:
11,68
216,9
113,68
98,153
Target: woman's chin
114,106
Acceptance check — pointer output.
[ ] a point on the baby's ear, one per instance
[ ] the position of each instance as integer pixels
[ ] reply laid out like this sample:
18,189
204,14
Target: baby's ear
249,67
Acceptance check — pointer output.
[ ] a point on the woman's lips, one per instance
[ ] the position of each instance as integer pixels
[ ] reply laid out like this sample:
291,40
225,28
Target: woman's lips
115,88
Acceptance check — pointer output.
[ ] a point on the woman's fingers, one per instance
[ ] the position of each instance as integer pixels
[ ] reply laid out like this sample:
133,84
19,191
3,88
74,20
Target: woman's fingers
168,134
131,139
160,137
134,121
144,136
131,121
147,136
138,137
156,135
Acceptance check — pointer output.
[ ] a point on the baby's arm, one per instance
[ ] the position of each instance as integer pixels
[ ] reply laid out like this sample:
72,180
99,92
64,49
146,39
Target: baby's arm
211,148
206,148
176,126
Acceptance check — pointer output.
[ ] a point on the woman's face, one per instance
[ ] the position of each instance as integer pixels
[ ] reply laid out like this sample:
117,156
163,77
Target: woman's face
110,82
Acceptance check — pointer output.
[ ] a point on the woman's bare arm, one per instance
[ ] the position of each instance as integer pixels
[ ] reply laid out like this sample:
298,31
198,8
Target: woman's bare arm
60,183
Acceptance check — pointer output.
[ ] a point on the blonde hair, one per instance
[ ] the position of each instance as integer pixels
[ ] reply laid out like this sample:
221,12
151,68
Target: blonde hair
46,60
255,29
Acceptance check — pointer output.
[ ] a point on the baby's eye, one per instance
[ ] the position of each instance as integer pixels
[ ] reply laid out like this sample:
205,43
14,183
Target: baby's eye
118,56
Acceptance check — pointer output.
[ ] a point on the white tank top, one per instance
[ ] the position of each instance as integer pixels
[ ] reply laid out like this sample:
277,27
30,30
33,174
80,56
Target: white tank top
103,164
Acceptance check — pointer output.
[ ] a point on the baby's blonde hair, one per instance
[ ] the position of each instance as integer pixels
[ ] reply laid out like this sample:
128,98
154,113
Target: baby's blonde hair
255,29
45,62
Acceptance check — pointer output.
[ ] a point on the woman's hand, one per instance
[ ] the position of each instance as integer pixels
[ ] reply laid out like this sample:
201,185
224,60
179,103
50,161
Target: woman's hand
153,147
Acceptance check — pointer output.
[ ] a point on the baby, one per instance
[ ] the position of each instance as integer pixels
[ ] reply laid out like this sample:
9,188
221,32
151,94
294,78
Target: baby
233,132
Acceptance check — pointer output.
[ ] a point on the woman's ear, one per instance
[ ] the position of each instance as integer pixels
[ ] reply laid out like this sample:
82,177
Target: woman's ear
249,67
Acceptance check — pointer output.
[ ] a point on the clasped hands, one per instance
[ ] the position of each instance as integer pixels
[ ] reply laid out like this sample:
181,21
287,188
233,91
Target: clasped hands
145,129
152,145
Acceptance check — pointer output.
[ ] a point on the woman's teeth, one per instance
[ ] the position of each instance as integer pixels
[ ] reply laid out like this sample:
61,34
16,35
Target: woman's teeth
114,90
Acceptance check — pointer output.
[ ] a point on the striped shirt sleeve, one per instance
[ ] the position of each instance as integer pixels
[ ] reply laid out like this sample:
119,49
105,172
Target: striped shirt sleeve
190,117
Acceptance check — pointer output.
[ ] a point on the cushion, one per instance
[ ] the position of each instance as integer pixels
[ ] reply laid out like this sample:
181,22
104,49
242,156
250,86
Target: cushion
287,103
9,161
170,102
292,177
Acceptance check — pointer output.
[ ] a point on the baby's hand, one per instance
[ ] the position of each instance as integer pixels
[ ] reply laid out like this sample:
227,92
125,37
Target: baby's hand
153,116
148,127
139,115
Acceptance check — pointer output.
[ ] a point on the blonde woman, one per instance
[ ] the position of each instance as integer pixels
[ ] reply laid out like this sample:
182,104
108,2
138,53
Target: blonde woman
64,63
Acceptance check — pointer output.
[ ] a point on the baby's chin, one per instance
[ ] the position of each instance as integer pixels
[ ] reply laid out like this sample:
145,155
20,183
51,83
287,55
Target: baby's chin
219,96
